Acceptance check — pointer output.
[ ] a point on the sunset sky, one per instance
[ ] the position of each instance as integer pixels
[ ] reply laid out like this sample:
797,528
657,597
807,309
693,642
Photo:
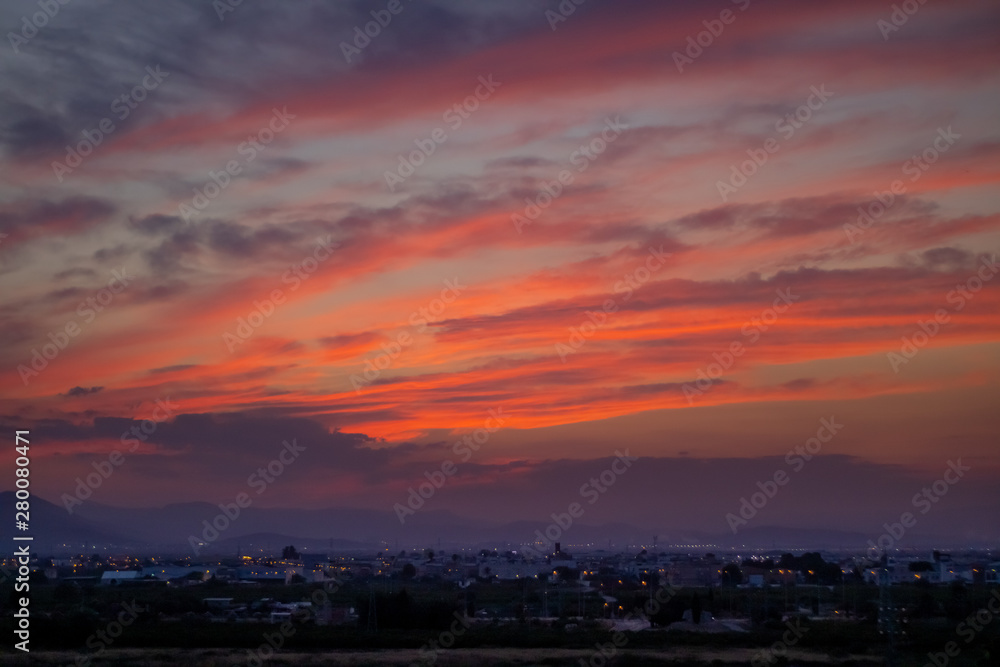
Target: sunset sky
502,208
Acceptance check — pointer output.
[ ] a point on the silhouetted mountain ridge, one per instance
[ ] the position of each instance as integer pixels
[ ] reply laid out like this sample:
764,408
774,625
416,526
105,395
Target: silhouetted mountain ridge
171,527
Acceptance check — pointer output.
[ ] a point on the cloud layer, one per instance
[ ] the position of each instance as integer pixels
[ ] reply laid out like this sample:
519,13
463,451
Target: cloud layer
689,231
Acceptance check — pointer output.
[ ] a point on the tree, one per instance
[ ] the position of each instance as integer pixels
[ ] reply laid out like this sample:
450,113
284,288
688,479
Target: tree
671,612
289,553
67,592
409,571
732,575
696,609
925,605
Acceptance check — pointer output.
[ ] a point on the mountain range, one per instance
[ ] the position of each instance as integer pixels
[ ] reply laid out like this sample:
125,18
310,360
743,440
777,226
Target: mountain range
174,529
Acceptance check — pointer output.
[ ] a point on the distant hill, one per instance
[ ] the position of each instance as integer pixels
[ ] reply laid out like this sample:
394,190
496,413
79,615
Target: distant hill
167,529
174,524
51,526
803,538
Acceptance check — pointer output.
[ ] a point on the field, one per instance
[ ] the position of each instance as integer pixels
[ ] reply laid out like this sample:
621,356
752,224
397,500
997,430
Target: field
175,628
676,657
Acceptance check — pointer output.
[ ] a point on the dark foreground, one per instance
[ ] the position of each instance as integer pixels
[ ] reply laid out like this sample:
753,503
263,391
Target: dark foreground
480,657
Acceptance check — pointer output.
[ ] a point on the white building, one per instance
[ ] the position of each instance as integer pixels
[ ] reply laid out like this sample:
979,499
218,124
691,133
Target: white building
115,577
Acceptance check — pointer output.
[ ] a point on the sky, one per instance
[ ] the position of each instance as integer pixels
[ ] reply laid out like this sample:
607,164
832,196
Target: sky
509,240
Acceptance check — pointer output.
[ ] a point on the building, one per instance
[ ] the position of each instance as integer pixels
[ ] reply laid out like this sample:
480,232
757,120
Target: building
264,574
117,578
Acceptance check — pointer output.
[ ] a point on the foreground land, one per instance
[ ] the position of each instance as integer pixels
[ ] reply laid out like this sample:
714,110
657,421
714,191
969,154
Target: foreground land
676,657
841,644
72,625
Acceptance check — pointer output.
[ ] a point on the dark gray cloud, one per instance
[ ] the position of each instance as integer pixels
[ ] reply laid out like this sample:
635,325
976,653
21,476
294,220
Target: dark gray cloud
798,216
947,258
32,133
156,224
188,243
31,218
225,59
76,272
209,439
171,369
83,391
347,340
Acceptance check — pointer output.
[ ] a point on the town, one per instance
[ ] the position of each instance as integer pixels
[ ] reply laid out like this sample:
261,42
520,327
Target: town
652,597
